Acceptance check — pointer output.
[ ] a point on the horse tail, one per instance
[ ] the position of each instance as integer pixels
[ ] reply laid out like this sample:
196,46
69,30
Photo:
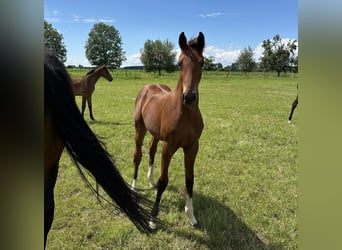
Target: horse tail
84,147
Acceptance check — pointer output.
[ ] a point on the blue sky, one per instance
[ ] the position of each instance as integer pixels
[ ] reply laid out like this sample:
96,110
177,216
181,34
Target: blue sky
228,26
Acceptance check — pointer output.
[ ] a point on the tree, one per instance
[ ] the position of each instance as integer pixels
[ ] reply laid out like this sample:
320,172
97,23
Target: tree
158,55
294,64
234,67
245,60
104,46
278,55
53,40
209,64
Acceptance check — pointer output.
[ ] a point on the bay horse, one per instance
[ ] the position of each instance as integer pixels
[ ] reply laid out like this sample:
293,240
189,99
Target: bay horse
293,107
172,116
64,127
85,86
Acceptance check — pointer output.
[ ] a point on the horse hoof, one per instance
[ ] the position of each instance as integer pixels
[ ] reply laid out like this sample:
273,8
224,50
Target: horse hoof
152,225
289,121
134,186
195,225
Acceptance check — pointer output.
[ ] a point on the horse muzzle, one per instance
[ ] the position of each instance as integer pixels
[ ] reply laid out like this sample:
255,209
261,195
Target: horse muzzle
189,98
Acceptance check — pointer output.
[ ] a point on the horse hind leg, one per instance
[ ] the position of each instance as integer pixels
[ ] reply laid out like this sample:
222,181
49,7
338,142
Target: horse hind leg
153,149
167,153
90,107
140,132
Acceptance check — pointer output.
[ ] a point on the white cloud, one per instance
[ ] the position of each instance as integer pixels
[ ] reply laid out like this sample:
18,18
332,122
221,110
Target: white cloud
89,20
258,52
213,14
132,60
216,14
55,12
77,18
107,20
224,56
52,19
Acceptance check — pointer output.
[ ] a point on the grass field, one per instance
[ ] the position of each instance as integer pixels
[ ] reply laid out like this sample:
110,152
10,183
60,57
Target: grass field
246,171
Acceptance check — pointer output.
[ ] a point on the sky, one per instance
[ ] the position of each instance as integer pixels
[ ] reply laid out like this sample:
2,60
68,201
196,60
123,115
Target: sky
228,26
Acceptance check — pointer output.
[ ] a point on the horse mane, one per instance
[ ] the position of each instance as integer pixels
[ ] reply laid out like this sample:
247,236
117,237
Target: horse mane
194,44
91,71
94,69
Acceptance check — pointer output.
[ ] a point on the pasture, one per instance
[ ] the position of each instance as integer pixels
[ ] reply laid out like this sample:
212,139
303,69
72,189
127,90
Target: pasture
246,170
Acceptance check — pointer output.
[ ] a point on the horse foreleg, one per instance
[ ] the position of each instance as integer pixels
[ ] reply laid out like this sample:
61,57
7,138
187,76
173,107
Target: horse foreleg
189,161
49,203
90,107
140,132
153,149
167,152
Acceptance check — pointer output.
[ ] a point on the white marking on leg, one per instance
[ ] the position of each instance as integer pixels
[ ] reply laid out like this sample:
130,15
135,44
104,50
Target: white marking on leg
134,184
152,224
289,121
150,176
189,210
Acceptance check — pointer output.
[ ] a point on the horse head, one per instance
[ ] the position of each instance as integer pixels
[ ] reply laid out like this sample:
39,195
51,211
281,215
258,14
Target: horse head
191,61
105,73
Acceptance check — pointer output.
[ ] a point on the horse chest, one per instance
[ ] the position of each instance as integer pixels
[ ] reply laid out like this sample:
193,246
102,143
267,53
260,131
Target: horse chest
182,131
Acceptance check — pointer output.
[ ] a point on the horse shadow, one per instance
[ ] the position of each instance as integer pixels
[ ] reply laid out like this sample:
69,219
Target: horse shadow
111,123
222,227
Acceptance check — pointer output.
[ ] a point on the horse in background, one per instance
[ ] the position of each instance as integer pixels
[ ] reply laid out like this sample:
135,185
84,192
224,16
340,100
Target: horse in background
64,127
85,86
172,116
294,105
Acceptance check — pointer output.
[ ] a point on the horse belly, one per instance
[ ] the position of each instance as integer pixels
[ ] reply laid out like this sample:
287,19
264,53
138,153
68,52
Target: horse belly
152,122
151,111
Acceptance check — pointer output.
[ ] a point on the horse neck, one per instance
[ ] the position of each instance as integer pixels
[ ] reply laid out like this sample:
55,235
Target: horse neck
179,87
95,76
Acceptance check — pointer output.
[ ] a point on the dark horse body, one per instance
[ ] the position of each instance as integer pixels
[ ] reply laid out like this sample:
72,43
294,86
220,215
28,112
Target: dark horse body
64,127
293,107
172,116
85,86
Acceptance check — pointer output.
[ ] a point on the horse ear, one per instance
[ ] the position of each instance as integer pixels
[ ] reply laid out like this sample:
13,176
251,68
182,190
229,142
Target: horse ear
200,40
182,41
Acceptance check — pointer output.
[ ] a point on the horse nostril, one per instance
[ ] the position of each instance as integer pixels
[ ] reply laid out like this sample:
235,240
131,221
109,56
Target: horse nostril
190,98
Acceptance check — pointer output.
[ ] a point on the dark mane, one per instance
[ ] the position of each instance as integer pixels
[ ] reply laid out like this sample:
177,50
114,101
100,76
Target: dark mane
91,71
94,69
194,44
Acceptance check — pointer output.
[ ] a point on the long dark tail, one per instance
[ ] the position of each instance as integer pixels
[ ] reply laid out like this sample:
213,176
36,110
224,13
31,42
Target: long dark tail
84,147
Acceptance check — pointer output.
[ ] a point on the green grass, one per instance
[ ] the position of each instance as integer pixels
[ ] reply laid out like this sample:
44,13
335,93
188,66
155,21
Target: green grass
246,171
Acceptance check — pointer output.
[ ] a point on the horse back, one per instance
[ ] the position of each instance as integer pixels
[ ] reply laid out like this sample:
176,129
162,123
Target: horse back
81,87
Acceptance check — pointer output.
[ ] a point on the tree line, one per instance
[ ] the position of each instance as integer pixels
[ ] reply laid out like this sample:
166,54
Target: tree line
104,46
